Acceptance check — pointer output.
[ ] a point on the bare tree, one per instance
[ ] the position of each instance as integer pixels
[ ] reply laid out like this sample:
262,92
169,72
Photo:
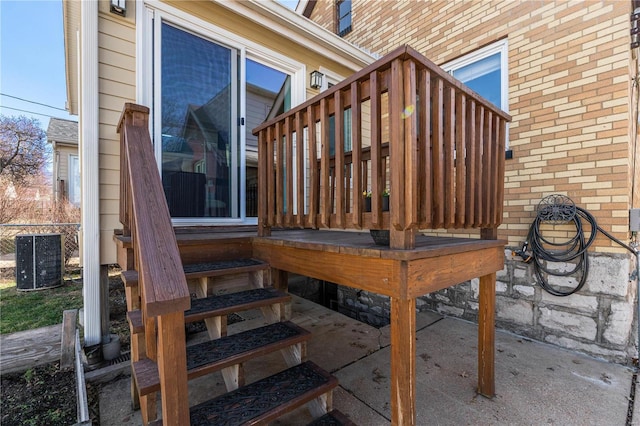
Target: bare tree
23,148
27,201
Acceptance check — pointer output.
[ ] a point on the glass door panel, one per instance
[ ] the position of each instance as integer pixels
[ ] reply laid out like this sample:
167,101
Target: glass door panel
199,101
268,93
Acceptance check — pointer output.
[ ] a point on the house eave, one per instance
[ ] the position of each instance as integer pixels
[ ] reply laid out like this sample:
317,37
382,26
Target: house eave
71,26
295,27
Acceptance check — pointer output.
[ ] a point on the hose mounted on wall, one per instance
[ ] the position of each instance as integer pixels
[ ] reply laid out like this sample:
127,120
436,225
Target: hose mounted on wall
559,210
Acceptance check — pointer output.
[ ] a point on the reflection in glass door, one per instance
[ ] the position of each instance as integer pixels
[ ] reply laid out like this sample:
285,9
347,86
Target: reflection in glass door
199,100
268,95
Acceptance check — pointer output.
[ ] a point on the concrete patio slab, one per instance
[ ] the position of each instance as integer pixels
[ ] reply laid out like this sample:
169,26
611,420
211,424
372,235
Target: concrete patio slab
536,383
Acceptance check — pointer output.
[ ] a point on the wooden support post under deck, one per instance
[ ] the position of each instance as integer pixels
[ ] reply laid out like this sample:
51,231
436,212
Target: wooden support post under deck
403,361
486,326
486,335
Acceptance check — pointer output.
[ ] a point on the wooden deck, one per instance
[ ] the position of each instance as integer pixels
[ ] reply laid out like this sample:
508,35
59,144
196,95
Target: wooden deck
352,259
415,134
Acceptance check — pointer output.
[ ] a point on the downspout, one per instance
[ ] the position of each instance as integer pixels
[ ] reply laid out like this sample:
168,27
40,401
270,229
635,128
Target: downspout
89,170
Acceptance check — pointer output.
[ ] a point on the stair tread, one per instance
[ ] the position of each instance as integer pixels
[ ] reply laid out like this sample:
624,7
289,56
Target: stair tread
265,399
225,304
214,355
129,278
332,418
219,305
206,269
211,269
135,321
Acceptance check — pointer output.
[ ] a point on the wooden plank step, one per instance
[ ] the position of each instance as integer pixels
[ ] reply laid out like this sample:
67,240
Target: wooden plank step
332,418
214,355
209,269
220,305
129,278
225,304
135,321
216,269
265,400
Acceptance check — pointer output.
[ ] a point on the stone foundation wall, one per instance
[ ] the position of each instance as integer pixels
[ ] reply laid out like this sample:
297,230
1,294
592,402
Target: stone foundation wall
599,320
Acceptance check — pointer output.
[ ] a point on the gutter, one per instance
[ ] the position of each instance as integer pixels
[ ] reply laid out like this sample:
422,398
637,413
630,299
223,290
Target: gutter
89,168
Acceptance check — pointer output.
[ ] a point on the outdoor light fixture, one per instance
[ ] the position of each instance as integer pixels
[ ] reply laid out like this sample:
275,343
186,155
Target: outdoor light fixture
315,79
119,7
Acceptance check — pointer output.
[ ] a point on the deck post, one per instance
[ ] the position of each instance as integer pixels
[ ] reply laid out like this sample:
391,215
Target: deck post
403,361
403,239
486,326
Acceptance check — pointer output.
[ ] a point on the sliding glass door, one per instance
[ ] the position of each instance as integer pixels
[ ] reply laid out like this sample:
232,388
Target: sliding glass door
209,90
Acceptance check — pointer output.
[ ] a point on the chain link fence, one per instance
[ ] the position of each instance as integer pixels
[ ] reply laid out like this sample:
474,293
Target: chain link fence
8,233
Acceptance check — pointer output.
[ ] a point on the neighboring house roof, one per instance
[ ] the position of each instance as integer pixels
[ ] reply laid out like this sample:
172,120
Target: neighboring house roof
62,131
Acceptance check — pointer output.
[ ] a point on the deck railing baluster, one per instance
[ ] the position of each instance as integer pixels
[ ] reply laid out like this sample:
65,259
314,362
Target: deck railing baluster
314,179
470,160
376,149
270,175
449,152
486,169
425,149
356,161
325,178
479,188
501,128
460,164
437,164
299,176
338,170
280,164
288,177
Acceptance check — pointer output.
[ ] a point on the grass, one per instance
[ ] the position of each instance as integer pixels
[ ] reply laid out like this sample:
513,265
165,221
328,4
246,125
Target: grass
26,310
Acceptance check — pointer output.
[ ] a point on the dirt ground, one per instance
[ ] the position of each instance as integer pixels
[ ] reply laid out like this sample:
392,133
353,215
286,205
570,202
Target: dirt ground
47,396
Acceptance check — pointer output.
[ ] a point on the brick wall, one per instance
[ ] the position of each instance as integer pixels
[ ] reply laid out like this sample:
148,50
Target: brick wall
570,68
569,92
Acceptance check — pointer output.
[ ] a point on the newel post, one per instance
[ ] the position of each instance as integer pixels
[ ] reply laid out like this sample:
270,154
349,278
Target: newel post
136,115
403,154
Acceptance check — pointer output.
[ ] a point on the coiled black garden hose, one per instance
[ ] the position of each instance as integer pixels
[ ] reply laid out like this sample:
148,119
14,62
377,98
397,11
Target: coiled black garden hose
559,209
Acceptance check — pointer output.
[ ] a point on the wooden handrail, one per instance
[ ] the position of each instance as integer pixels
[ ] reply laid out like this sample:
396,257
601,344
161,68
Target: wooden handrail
159,262
162,288
444,165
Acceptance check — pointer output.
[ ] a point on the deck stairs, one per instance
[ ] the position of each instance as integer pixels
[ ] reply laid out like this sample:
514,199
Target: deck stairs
219,289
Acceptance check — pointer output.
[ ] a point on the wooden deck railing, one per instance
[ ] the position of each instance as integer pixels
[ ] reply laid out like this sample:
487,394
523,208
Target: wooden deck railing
401,125
162,292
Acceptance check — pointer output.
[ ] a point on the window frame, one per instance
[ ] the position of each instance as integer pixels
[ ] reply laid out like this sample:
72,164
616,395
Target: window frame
73,179
347,29
501,47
